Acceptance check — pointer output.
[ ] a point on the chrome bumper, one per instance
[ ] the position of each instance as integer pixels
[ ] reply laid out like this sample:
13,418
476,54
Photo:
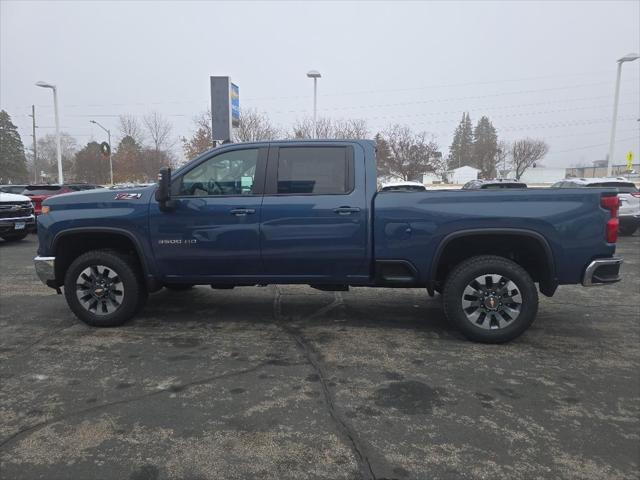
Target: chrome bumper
45,268
602,271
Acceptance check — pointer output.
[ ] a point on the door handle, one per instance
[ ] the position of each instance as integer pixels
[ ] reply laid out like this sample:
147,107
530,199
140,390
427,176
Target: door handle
346,210
241,212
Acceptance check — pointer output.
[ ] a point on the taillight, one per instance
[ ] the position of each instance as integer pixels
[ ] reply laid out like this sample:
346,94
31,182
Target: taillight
612,204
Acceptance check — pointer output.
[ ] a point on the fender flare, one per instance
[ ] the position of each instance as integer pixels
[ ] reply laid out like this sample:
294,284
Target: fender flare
150,275
547,287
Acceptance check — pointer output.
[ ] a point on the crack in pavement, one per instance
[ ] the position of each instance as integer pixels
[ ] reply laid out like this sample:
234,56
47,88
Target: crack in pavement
170,389
313,359
40,340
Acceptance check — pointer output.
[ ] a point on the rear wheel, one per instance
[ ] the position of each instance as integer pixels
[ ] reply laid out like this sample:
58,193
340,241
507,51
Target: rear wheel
104,288
490,299
15,237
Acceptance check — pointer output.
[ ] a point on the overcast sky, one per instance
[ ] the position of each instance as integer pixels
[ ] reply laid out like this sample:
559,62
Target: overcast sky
538,69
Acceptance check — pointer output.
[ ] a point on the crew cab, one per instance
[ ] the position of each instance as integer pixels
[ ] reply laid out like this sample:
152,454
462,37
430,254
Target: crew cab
16,217
307,212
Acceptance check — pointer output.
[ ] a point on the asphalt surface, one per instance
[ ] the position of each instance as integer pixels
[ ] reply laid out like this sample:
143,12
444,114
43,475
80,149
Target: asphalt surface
293,383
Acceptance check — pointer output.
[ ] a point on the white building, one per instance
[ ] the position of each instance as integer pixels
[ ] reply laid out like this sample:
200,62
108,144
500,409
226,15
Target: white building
462,175
430,178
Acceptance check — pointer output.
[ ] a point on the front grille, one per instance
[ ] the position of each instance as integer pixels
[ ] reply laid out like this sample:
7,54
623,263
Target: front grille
15,209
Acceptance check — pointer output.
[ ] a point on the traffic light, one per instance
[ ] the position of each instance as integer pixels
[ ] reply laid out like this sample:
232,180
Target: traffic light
105,149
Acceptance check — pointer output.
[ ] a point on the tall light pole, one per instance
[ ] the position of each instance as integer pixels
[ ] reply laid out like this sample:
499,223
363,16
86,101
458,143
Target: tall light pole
109,141
627,58
315,75
55,108
35,144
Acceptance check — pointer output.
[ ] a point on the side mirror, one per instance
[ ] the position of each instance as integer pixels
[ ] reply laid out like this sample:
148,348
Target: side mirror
163,193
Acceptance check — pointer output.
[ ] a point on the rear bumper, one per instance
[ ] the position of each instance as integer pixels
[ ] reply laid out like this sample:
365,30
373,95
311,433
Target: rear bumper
602,271
45,268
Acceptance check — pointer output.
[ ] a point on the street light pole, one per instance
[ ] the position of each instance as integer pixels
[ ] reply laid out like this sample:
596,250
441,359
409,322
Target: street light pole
55,108
35,144
612,140
315,75
110,153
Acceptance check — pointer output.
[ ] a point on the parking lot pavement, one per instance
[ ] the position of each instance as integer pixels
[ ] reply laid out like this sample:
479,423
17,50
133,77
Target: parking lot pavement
289,382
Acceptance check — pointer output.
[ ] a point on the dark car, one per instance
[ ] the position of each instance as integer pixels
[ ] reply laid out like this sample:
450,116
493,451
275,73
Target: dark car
39,193
78,187
17,189
493,184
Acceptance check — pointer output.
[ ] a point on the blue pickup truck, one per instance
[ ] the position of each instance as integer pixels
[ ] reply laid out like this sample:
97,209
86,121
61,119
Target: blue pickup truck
308,212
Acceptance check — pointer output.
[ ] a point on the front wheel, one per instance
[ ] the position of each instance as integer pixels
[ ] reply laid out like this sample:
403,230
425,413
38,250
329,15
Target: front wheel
490,299
104,288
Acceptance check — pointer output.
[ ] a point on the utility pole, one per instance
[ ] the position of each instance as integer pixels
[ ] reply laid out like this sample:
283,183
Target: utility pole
35,153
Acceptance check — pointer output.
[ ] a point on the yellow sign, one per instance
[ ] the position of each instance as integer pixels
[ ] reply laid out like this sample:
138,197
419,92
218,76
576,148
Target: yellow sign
629,160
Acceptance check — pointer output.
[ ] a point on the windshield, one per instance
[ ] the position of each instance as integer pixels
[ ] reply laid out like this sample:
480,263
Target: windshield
504,185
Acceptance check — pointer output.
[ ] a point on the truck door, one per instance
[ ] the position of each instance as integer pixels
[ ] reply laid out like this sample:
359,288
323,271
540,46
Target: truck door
212,228
314,212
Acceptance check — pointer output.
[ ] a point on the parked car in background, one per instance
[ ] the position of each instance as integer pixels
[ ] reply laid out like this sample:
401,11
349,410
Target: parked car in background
402,187
39,193
493,184
17,189
16,217
628,193
77,187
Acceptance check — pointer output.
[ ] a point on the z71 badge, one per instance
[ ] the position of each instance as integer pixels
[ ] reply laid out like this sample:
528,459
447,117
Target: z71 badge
128,196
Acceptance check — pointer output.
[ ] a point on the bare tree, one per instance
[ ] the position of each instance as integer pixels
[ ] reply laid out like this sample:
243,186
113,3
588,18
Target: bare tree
255,126
327,128
201,140
410,154
502,156
352,129
129,126
159,129
526,153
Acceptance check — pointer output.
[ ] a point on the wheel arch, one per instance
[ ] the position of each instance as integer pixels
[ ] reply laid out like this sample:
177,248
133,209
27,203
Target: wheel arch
535,245
92,238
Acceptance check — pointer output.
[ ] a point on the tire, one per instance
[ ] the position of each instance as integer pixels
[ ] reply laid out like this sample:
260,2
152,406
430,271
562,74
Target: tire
179,287
628,229
107,304
482,316
15,237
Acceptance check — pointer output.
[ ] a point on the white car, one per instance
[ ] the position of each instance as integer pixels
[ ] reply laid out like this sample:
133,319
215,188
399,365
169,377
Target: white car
16,217
629,196
402,187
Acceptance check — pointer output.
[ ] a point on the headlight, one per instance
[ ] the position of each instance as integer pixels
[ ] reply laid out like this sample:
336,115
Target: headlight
45,209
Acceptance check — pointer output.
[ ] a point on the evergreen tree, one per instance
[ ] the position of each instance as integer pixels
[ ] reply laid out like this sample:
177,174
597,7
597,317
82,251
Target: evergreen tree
127,161
13,163
485,148
90,165
460,151
383,154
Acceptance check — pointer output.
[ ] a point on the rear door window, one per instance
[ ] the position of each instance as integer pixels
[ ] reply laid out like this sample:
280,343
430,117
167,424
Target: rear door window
314,170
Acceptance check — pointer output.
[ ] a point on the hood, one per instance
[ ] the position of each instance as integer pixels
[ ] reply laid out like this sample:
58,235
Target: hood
101,198
13,197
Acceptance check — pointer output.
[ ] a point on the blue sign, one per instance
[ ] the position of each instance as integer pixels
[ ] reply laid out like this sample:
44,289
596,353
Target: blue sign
235,105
